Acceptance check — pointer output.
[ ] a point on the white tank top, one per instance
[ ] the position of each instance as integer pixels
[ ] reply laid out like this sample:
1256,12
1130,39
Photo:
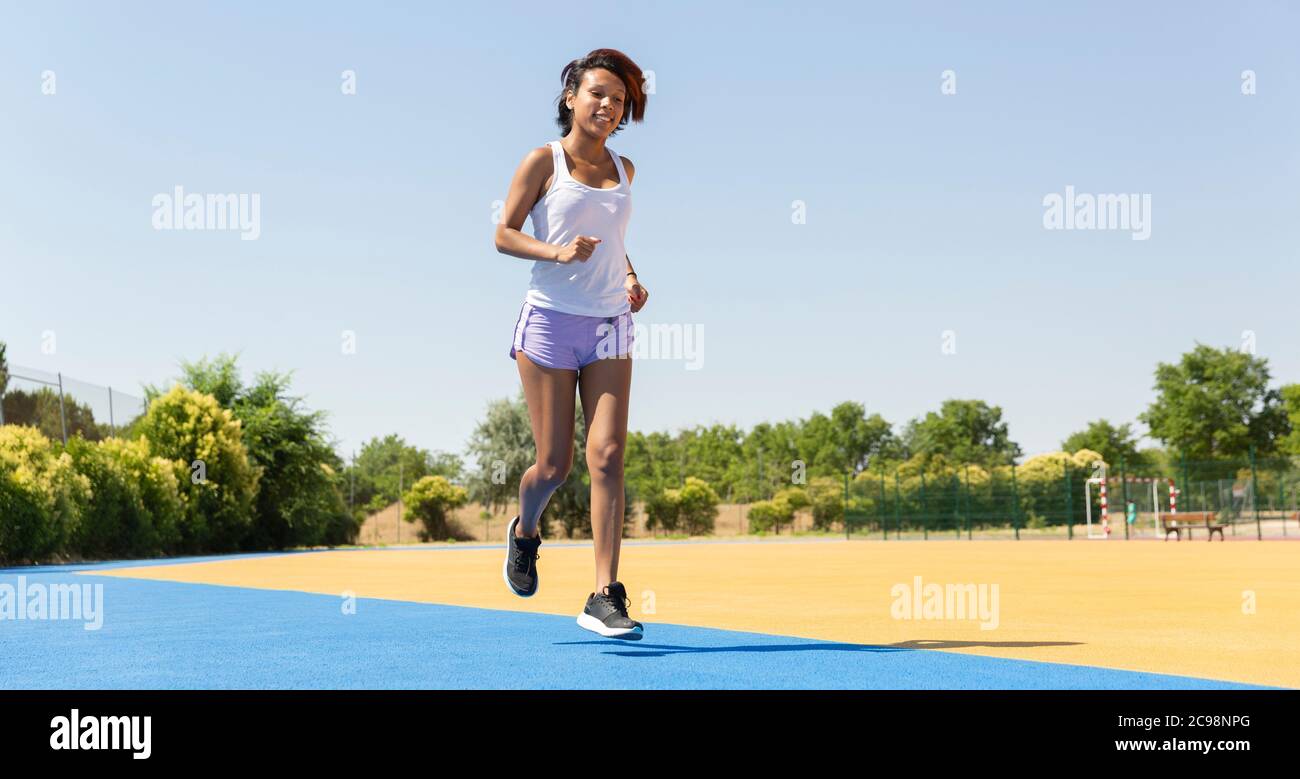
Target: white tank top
570,208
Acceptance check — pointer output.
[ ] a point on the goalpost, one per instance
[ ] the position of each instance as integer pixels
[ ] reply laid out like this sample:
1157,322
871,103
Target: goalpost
1102,530
1100,481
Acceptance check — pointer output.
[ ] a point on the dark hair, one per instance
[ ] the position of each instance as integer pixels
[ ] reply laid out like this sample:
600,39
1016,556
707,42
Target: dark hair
615,62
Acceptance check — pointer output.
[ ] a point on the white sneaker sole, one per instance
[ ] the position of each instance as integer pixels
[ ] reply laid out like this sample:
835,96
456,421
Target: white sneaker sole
588,622
505,567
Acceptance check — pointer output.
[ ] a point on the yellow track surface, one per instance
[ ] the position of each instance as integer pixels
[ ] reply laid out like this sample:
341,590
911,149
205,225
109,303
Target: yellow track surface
1176,608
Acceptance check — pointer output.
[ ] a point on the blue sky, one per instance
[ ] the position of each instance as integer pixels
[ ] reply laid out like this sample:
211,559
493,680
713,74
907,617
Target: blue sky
924,210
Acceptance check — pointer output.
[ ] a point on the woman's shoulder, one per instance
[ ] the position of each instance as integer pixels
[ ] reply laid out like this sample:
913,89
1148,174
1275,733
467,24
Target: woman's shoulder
538,162
539,154
629,167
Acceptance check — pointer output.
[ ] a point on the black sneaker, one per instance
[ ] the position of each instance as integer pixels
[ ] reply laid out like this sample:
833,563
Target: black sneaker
606,614
520,568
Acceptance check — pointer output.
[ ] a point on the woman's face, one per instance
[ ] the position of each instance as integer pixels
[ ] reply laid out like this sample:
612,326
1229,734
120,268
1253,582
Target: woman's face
598,105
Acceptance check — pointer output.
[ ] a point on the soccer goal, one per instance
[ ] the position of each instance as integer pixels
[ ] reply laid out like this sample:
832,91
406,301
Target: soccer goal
1145,509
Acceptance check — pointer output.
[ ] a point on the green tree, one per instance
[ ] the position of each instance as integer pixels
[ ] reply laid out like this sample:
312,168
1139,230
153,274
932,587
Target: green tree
1215,403
1114,444
771,453
300,500
746,466
300,489
796,498
846,441
827,496
691,508
384,464
662,510
967,431
1290,443
431,500
652,463
765,515
40,409
697,506
713,454
502,446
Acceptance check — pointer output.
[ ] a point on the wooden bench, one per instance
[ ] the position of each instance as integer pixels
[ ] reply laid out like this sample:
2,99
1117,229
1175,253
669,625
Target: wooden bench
1178,523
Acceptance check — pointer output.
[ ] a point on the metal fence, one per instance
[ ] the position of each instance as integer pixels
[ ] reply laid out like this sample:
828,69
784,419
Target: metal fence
62,407
1244,497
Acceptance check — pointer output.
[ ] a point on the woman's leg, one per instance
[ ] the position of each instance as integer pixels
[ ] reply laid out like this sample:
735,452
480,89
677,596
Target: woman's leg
550,396
605,386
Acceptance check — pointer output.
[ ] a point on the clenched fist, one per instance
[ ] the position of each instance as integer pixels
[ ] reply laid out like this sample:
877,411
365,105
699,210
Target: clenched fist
636,294
579,248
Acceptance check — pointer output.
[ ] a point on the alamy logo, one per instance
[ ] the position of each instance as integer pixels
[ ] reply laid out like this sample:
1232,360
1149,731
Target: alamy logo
38,601
945,602
660,341
1098,212
106,732
179,211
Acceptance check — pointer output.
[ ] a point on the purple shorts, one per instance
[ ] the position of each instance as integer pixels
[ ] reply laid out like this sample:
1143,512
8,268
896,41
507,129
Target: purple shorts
555,339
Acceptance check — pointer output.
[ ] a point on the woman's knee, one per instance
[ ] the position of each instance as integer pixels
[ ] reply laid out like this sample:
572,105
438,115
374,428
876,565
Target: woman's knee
552,470
605,458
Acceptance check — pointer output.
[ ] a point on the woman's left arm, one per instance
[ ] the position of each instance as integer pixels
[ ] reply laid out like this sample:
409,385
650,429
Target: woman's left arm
636,294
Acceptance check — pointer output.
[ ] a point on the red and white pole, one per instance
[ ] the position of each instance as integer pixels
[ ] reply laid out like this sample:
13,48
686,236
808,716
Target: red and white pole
1105,513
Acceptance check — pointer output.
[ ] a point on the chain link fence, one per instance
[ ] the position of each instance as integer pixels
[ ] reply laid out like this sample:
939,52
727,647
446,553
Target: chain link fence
62,407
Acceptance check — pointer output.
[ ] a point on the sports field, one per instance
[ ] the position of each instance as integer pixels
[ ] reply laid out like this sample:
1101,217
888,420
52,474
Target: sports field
721,614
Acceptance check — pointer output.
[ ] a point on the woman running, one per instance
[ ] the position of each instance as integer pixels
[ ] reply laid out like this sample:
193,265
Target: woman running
575,328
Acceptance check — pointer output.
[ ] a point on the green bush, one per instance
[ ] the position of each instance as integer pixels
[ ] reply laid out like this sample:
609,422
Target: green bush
23,521
765,515
219,484
137,508
691,509
827,497
1042,485
430,500
697,506
47,496
783,507
661,511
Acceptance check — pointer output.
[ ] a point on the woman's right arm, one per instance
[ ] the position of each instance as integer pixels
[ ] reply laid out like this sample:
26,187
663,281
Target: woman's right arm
525,189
